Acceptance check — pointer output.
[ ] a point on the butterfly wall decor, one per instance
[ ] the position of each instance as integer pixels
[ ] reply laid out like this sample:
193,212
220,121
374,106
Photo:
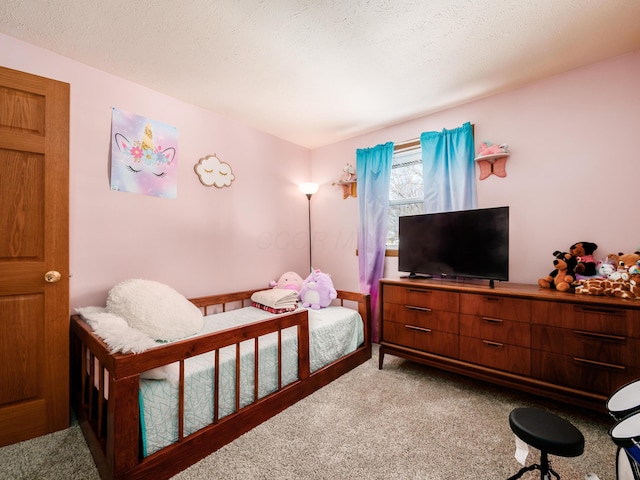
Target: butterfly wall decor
492,159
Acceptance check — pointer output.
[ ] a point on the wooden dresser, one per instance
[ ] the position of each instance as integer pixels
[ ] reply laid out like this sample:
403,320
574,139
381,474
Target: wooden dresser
573,348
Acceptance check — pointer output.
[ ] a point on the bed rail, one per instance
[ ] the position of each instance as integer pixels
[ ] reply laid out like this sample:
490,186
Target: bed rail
105,388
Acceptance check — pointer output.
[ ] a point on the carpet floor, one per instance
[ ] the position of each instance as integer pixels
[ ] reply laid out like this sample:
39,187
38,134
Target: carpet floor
407,421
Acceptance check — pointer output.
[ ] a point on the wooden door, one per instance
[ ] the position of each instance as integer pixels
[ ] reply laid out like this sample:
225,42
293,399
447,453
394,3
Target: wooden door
34,240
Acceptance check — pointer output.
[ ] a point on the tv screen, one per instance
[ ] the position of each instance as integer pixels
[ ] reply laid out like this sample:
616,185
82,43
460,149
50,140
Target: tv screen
466,243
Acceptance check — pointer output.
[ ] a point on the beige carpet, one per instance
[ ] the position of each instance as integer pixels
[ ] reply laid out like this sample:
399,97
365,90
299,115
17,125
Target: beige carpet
406,421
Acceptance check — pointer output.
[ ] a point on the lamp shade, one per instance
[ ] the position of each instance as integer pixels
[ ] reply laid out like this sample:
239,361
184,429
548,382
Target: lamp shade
309,188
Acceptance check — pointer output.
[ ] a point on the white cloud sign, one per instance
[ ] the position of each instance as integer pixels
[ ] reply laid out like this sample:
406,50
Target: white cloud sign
212,172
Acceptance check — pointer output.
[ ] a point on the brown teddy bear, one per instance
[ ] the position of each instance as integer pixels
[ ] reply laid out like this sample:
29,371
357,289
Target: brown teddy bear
564,274
626,260
586,261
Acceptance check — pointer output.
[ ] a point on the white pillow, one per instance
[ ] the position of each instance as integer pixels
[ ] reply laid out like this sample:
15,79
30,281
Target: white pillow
155,309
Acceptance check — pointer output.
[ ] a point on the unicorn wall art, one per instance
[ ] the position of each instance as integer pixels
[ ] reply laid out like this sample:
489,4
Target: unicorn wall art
143,156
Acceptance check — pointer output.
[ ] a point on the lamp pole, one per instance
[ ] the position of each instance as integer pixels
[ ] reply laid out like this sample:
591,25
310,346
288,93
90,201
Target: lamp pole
309,195
309,189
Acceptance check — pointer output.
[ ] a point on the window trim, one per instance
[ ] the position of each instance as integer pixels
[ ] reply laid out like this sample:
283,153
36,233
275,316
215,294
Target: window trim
406,146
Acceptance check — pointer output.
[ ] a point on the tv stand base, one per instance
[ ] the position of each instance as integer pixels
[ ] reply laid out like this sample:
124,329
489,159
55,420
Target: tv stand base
416,276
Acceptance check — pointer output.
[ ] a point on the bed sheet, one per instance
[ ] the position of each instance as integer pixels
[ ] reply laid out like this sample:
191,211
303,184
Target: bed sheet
334,332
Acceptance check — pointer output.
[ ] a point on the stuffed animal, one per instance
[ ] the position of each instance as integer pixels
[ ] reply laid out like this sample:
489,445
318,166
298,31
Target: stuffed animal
288,281
487,148
317,290
617,284
591,286
629,260
347,181
586,262
634,285
564,275
604,269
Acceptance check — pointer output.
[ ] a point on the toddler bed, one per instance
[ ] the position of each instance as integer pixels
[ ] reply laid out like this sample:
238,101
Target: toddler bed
245,366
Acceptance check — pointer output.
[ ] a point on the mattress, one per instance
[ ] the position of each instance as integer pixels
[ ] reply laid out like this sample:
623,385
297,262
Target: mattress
334,332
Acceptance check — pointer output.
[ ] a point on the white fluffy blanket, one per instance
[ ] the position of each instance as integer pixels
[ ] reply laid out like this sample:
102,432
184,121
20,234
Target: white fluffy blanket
121,338
115,331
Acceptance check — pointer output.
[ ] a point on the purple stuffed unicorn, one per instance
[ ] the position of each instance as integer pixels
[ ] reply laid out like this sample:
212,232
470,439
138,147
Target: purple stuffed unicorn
317,290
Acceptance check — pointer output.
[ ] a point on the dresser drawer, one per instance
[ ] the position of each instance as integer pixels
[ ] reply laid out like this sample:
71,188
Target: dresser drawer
421,317
495,329
581,373
432,341
599,347
504,308
592,318
420,297
510,358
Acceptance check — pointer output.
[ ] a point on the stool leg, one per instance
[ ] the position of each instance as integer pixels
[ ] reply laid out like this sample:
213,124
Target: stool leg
524,470
545,468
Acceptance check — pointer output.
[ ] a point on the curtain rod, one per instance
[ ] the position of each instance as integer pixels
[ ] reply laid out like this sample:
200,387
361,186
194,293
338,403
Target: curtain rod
415,142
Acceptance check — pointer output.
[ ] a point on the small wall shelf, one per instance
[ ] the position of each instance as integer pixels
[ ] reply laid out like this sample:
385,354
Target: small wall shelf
493,157
350,182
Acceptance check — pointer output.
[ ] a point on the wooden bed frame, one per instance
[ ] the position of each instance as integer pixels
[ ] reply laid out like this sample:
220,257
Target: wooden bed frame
105,388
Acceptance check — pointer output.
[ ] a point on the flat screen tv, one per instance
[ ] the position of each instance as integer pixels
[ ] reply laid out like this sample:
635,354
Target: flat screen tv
461,244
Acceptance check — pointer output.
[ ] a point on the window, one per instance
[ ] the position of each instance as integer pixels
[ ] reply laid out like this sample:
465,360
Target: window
406,190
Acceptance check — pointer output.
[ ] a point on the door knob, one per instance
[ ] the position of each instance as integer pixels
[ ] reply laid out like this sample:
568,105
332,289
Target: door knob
52,276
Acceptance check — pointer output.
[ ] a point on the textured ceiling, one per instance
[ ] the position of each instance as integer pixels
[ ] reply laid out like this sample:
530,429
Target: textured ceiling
318,71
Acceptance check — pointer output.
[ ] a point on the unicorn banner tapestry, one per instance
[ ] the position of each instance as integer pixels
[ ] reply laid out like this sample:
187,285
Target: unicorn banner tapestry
143,156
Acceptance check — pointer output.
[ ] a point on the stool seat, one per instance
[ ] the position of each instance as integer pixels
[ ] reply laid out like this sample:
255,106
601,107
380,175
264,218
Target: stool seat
546,432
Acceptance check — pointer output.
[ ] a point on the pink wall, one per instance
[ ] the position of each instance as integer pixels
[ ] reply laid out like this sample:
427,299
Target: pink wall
208,240
572,176
574,156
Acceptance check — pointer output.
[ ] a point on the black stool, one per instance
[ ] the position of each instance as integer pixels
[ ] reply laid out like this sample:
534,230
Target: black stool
548,433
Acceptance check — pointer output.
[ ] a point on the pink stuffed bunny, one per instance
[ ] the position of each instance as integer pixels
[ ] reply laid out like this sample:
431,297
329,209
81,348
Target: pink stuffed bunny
288,281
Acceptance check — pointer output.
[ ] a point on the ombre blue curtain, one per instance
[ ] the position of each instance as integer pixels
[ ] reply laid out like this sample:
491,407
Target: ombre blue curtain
373,171
448,170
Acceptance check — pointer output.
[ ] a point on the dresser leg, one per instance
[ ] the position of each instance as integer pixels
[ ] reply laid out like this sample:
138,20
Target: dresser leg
380,358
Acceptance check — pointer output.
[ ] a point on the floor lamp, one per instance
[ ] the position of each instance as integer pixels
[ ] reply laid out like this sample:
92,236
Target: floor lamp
309,189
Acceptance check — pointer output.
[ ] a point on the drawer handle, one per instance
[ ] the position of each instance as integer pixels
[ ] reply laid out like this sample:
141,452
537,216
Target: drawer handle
492,320
593,363
493,344
605,311
422,292
493,299
600,336
418,309
418,329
